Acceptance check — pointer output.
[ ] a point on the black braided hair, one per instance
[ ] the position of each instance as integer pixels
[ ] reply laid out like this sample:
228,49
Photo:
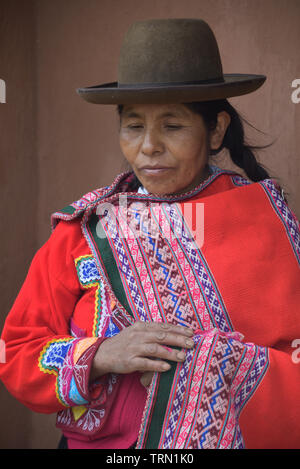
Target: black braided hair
234,139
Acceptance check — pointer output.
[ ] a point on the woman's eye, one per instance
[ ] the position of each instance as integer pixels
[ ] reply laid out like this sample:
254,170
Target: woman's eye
135,126
173,126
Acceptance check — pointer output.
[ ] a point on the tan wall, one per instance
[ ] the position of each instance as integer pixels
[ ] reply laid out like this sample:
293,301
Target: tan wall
55,147
18,182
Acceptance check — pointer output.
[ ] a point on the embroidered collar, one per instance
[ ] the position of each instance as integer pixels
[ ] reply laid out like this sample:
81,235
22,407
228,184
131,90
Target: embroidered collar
125,183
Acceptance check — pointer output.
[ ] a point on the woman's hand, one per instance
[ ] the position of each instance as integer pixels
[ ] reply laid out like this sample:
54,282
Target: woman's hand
142,347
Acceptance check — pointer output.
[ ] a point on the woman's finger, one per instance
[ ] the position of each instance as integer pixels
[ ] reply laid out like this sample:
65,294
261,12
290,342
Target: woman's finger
146,378
161,326
160,352
170,339
143,364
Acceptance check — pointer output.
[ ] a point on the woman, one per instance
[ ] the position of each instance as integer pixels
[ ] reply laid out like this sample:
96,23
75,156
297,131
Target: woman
161,311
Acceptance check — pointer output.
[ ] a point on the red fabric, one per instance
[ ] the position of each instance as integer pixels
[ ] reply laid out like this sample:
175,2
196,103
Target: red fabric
258,276
52,295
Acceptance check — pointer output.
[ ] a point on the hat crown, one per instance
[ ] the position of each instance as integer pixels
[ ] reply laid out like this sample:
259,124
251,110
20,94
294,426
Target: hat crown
170,61
169,51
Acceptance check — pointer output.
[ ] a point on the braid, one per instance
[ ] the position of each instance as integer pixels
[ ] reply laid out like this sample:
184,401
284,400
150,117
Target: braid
234,139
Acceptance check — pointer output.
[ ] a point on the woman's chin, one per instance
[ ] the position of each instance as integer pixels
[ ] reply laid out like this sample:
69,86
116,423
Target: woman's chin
161,184
157,185
164,189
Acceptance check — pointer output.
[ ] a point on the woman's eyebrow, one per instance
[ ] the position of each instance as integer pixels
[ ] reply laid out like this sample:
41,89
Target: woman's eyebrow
132,114
171,114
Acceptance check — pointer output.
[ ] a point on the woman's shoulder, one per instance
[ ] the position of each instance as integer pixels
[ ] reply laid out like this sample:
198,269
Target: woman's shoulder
90,199
236,179
77,208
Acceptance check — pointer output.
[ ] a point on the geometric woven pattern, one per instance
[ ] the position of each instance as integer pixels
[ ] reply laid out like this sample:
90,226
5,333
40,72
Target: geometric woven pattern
166,279
160,276
208,392
285,214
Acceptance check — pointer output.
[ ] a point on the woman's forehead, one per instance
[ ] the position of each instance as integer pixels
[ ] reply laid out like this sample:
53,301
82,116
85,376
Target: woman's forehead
157,110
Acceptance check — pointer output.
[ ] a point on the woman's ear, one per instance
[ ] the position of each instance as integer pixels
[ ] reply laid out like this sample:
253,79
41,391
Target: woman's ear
217,135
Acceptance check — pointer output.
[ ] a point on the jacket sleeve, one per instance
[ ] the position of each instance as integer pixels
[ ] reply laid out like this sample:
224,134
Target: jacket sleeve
46,368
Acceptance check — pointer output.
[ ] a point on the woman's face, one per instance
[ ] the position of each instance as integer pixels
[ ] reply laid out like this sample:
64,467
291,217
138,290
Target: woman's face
166,146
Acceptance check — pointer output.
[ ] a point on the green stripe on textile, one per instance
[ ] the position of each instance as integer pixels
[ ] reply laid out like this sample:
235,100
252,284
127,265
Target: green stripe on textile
160,406
108,260
68,209
166,379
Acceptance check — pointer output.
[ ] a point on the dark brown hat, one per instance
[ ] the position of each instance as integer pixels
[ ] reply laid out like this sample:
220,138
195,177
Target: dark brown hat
170,61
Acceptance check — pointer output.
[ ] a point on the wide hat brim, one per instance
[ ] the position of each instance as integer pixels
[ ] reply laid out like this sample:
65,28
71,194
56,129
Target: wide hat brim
234,84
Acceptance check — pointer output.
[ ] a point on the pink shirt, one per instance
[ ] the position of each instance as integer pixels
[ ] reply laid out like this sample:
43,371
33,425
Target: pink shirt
121,428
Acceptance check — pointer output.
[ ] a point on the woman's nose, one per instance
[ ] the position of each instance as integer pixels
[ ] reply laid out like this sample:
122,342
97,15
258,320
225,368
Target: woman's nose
152,143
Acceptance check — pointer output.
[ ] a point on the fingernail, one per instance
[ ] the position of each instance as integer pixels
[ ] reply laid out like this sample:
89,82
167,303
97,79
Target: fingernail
189,342
166,366
180,355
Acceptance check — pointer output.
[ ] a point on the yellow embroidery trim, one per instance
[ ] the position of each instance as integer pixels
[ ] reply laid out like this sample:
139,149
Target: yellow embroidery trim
96,284
52,371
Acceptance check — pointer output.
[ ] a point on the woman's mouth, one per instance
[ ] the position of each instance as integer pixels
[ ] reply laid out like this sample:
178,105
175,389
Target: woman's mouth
154,170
